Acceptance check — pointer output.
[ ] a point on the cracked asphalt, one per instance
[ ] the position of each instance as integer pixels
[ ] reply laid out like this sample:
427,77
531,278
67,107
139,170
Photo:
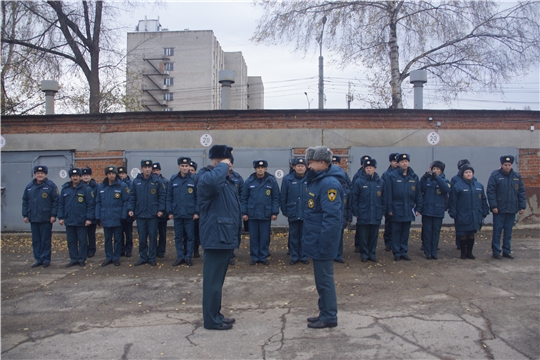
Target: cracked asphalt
423,309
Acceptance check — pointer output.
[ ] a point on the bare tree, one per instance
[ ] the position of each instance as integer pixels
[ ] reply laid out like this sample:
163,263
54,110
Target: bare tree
80,37
463,44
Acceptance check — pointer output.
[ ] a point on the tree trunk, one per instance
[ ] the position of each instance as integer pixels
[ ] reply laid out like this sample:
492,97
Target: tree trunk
395,76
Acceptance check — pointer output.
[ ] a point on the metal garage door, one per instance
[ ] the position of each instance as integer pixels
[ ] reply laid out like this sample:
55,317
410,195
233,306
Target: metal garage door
17,173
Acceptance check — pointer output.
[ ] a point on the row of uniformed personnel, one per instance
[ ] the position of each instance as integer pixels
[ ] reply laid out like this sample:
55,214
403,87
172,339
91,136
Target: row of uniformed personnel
398,194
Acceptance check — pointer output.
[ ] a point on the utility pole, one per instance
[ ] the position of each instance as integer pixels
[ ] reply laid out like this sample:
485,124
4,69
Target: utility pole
350,97
321,70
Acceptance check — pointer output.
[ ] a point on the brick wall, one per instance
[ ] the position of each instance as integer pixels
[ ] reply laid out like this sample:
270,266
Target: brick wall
97,161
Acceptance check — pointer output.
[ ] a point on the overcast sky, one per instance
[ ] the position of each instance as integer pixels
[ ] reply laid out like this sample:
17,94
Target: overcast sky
287,75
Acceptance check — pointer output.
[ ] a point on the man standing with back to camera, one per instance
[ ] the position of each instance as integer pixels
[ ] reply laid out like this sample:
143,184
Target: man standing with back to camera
322,229
220,226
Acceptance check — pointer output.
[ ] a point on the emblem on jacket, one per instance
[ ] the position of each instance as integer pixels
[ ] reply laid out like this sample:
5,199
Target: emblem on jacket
190,190
332,194
438,191
268,192
44,195
117,195
379,193
153,191
311,203
516,186
413,188
80,199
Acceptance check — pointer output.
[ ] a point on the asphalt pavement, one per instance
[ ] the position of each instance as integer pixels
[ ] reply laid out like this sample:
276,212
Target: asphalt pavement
422,309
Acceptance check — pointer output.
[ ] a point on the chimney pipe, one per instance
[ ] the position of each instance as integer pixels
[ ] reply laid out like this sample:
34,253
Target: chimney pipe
49,87
226,79
418,79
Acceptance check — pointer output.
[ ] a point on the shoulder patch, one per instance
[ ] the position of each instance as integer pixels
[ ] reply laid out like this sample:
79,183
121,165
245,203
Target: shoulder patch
332,194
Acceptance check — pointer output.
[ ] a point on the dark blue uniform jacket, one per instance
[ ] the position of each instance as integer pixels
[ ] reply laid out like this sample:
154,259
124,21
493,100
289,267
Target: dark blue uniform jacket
403,195
435,194
293,196
260,199
467,205
40,201
220,216
238,181
77,204
368,199
147,197
112,202
506,192
323,214
182,197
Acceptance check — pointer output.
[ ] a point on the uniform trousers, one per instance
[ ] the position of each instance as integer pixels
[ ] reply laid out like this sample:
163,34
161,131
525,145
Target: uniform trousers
41,241
147,229
77,243
259,239
431,232
162,240
215,265
296,230
339,255
91,234
181,227
127,237
113,248
387,231
400,237
323,271
368,247
502,222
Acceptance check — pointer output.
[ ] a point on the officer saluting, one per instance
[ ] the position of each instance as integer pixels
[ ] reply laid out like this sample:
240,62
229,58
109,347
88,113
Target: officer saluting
221,223
146,204
39,208
322,227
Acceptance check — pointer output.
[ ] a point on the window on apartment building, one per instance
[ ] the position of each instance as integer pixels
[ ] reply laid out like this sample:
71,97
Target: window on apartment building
168,66
169,51
168,96
168,109
168,81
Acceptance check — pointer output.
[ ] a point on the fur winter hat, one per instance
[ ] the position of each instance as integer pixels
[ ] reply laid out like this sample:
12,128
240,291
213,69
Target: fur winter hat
111,168
437,164
319,153
507,159
462,162
220,152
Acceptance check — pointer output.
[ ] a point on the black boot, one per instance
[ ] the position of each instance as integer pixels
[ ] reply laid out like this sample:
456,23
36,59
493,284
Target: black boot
470,244
463,248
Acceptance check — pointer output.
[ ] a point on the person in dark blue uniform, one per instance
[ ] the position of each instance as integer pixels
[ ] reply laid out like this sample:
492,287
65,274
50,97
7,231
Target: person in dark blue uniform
147,200
197,242
435,191
111,207
293,198
454,179
126,243
322,227
358,173
239,183
260,206
368,205
403,204
90,229
162,222
40,208
506,196
76,210
221,223
183,209
347,212
387,219
468,207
